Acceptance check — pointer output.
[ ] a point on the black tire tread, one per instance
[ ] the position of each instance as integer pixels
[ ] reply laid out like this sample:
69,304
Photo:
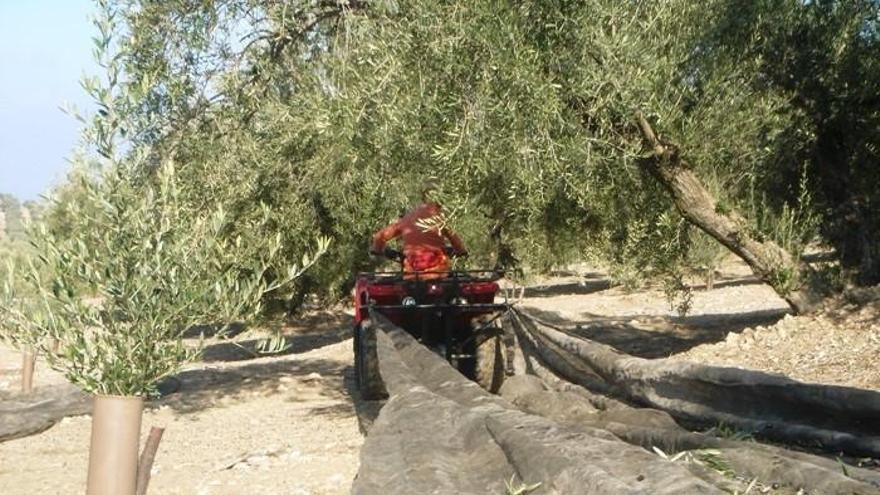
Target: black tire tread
369,379
489,369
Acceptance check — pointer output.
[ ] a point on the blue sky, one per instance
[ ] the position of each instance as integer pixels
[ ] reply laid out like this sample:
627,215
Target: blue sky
45,46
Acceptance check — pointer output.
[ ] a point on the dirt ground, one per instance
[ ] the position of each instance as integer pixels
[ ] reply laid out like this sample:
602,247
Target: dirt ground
292,424
642,322
838,345
740,323
238,425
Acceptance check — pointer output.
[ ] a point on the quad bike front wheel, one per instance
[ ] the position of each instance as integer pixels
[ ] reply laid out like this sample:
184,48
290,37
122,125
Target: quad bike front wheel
366,362
490,358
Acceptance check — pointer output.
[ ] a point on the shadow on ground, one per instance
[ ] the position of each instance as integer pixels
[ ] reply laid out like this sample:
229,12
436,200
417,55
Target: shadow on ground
732,282
249,349
597,282
302,334
208,331
237,370
583,287
204,388
653,336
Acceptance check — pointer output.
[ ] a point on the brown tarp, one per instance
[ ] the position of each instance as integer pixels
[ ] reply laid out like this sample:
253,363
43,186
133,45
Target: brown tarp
836,419
27,414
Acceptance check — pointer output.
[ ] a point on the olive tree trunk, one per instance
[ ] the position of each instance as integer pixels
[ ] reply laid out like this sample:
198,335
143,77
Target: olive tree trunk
770,263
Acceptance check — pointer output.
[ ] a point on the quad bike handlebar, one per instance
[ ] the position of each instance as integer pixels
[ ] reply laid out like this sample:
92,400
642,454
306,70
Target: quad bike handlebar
393,254
455,253
396,255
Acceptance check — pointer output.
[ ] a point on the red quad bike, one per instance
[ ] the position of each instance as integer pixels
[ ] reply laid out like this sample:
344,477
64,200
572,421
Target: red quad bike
456,316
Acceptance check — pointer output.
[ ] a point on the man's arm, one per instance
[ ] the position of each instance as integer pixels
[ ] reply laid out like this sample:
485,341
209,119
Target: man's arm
456,242
383,236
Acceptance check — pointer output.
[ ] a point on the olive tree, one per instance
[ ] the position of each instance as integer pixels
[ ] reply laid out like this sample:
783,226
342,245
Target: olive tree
127,263
334,111
23,316
138,272
133,266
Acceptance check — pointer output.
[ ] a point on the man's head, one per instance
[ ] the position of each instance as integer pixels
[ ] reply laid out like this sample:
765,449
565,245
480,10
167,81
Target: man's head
429,189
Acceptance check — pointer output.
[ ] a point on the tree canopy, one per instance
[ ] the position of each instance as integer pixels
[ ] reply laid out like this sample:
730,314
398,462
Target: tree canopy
327,115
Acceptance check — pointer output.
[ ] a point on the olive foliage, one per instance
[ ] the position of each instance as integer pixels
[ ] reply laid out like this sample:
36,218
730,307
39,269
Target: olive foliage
825,57
124,264
332,113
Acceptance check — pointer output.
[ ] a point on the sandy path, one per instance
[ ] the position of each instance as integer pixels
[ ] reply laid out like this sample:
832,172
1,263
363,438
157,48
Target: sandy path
740,323
643,323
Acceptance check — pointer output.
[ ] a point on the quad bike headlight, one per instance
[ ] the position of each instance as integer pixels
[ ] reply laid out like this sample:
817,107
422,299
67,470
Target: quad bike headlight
409,301
458,301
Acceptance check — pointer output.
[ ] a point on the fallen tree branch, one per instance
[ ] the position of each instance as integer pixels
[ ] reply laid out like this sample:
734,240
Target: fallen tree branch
793,280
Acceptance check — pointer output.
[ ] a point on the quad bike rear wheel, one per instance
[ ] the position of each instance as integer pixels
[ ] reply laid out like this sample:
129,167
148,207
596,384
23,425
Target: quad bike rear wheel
366,362
490,356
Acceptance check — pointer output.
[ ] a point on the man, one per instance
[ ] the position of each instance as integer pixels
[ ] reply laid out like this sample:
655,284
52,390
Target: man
424,238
